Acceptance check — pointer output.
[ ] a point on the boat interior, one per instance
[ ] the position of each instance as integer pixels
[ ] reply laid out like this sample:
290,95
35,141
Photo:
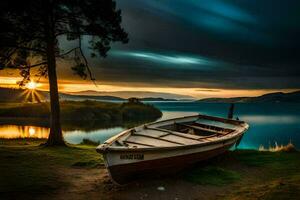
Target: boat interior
175,133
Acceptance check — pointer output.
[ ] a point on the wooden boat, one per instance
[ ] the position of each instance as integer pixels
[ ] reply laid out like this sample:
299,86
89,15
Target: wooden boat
169,145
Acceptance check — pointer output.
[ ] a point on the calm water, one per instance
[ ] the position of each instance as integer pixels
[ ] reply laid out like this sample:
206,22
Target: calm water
269,123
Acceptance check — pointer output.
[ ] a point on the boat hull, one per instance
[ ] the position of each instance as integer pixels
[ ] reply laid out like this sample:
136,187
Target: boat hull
132,165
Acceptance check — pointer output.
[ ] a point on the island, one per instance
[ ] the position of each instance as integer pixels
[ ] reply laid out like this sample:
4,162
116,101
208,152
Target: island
80,114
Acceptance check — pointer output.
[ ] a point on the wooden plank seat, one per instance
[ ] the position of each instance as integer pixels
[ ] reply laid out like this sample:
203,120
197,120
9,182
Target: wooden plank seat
183,135
213,127
151,141
204,129
189,136
137,143
157,138
169,137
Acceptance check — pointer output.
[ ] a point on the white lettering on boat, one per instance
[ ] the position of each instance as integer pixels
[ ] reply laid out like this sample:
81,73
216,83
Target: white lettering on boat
132,156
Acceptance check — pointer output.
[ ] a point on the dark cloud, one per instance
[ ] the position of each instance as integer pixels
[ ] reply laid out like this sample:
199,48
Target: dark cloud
215,43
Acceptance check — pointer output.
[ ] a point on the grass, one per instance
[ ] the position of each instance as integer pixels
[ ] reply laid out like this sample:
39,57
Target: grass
268,190
275,175
212,175
89,142
28,169
32,169
249,174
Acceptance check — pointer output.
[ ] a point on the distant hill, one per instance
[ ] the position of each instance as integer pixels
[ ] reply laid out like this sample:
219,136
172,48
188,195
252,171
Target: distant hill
156,99
19,95
292,97
138,94
107,98
64,96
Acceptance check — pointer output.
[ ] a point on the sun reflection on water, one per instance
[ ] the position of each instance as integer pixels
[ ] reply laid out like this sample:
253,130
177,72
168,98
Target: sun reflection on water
13,131
31,131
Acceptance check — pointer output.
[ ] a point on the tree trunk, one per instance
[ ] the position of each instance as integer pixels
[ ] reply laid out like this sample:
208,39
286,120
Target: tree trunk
55,136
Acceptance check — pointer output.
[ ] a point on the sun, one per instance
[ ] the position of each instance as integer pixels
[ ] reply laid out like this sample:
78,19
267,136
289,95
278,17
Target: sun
31,94
31,85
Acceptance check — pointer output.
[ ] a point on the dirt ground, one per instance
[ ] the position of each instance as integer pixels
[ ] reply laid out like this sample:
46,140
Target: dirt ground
96,184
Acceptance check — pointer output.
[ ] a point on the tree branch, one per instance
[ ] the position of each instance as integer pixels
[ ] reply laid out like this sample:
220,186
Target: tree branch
27,66
86,62
39,64
66,53
27,48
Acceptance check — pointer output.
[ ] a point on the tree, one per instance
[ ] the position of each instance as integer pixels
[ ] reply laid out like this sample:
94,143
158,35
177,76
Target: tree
32,31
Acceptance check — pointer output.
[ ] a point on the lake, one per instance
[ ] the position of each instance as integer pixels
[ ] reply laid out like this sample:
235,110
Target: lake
269,123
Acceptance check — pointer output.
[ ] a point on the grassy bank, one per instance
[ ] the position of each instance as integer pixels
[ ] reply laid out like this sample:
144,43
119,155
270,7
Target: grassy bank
79,113
28,170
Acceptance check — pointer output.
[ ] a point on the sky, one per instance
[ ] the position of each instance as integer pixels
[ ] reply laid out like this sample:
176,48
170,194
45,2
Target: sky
199,48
